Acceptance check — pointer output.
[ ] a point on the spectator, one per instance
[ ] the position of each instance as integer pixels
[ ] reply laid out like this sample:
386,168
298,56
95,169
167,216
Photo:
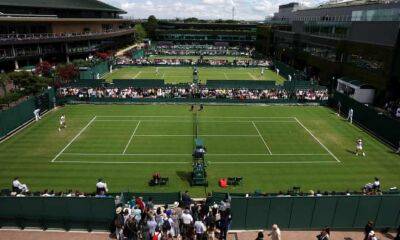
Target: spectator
151,226
367,229
275,234
187,221
371,236
324,235
200,228
19,187
398,233
260,236
186,199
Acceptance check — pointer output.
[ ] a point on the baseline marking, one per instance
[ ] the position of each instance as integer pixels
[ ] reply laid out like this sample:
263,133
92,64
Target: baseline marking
137,75
179,121
251,75
130,139
259,134
180,116
316,139
188,154
83,129
97,162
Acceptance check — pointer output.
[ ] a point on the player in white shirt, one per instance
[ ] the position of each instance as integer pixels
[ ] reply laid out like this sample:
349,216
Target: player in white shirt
262,71
37,114
359,147
350,115
63,123
157,71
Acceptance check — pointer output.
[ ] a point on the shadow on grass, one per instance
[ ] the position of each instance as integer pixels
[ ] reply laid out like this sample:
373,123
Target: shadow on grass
184,176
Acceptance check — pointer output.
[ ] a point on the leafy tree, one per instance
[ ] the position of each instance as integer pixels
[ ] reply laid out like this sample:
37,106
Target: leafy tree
140,32
66,72
27,83
43,68
151,26
3,82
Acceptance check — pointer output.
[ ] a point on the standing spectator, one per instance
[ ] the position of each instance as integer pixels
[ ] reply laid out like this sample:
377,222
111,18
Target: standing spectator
19,187
101,186
260,236
186,199
151,225
371,236
275,234
119,223
398,233
200,229
324,235
150,204
187,220
367,229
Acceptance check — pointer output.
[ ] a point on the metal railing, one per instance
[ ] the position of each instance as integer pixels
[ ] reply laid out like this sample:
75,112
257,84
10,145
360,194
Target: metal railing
55,36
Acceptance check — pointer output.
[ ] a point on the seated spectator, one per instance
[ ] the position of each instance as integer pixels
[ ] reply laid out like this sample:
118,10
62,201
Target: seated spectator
260,236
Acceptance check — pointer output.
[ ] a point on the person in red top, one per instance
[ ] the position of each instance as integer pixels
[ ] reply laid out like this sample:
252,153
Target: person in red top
140,203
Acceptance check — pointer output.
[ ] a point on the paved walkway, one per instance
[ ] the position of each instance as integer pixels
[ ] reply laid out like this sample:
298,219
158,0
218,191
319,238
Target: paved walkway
286,235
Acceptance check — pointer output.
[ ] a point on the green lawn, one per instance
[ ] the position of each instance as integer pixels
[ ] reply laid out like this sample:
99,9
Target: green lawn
272,147
185,74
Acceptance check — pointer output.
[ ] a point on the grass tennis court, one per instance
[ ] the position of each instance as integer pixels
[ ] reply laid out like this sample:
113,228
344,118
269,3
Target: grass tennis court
185,74
272,147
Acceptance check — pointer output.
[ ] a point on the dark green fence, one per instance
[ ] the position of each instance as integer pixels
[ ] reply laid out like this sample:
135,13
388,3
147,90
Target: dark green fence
13,118
54,212
286,70
384,127
338,212
233,84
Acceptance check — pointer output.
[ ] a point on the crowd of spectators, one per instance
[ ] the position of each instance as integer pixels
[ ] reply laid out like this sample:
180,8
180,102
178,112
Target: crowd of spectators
186,220
201,50
190,92
176,61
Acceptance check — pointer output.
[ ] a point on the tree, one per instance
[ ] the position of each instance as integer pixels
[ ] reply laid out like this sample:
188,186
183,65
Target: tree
140,32
151,26
66,72
3,82
43,68
27,83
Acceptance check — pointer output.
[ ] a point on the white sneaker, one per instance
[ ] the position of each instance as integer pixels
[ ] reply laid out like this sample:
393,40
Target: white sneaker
363,154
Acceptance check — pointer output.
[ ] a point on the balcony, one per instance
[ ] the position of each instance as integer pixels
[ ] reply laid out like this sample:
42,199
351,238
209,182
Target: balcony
8,39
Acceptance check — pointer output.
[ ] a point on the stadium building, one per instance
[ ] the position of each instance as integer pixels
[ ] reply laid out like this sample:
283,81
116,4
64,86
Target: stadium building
335,39
32,31
233,33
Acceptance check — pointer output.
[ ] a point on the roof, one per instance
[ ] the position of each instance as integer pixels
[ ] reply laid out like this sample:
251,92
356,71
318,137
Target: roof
62,4
354,82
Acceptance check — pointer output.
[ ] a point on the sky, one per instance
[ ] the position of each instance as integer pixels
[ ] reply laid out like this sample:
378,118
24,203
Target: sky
203,9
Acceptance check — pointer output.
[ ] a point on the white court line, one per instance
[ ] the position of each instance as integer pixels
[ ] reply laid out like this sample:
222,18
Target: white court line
137,75
251,75
179,121
178,116
316,139
83,129
226,76
130,139
97,162
259,134
201,135
188,154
